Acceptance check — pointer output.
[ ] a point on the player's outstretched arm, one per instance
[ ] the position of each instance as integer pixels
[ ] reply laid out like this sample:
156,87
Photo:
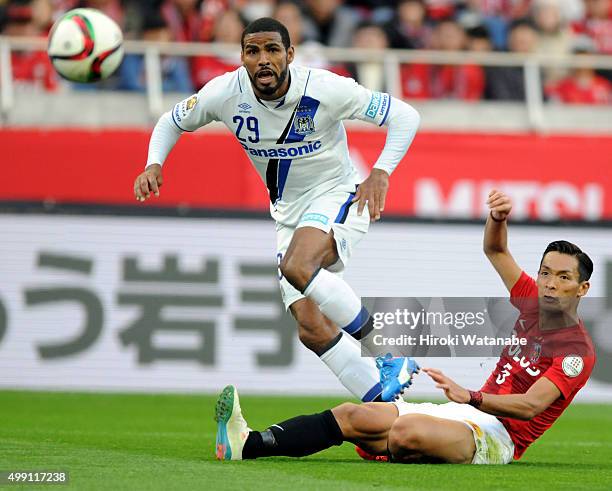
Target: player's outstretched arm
164,137
495,242
522,406
519,406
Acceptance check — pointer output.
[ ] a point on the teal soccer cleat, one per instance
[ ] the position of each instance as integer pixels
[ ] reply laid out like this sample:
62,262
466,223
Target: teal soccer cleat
232,429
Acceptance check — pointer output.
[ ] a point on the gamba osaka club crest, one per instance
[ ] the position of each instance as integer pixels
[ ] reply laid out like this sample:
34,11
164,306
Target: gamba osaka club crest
303,124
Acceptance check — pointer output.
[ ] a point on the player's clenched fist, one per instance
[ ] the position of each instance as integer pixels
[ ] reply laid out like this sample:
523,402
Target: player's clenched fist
148,182
499,204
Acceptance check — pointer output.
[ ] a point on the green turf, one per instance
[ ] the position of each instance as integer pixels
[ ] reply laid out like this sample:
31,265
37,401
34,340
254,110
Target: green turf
167,442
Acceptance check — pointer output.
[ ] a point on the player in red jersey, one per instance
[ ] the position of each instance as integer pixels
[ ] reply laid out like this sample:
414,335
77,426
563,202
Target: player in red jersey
529,388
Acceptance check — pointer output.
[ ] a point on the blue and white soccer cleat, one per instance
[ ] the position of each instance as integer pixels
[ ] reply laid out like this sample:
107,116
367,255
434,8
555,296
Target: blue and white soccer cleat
396,374
232,429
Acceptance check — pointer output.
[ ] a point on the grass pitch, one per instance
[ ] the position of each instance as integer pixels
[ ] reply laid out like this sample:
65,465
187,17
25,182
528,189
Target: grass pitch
167,442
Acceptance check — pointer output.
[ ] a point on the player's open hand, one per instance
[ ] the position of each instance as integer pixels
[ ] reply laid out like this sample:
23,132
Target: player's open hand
148,182
453,391
373,191
499,204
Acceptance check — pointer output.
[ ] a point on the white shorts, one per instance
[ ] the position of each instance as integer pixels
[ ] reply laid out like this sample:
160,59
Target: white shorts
493,443
332,211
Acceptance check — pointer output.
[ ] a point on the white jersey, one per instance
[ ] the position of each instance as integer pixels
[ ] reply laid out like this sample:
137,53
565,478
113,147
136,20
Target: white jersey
298,143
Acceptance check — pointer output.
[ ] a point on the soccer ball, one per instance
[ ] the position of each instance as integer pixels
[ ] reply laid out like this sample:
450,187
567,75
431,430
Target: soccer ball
85,45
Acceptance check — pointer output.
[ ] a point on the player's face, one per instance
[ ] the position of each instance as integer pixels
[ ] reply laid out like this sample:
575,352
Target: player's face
559,285
267,62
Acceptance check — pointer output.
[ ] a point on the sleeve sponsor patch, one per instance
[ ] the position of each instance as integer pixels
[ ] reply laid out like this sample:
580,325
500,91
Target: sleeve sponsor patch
378,107
184,108
572,365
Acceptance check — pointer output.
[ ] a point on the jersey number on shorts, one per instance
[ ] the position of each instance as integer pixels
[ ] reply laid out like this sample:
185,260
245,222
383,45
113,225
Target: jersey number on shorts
252,125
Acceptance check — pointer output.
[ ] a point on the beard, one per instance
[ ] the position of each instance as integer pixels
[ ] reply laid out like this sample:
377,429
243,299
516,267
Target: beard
271,89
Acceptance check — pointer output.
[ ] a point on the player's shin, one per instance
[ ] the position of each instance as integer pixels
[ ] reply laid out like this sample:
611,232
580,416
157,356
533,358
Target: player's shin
357,373
296,437
338,302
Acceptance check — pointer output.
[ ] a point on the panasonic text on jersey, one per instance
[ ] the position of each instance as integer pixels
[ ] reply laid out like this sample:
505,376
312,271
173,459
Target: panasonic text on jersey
283,152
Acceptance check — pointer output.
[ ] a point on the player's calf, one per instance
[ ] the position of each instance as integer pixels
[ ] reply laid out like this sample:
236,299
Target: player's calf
315,331
341,354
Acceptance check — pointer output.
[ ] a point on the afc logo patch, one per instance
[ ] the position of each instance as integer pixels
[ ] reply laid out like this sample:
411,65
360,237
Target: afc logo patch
304,125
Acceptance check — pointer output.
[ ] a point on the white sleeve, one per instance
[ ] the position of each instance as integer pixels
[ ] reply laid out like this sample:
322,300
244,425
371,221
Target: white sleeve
402,122
198,110
164,137
349,100
187,115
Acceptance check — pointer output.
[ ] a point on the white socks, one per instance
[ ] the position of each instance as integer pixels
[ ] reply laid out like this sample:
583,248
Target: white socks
357,373
337,301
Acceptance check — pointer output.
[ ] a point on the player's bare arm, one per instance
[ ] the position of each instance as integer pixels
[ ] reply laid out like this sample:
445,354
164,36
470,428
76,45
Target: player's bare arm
520,406
495,244
148,182
373,191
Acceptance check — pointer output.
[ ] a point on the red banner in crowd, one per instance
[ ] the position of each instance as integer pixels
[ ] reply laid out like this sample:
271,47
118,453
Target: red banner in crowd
443,175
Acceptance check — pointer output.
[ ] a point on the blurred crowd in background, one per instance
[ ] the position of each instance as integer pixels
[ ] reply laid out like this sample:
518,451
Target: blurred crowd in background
550,27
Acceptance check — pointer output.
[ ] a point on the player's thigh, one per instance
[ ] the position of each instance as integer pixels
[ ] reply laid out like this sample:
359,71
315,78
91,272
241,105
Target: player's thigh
430,438
335,218
366,425
312,246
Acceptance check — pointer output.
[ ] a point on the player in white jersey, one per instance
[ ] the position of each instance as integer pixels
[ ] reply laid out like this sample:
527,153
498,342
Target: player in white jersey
289,119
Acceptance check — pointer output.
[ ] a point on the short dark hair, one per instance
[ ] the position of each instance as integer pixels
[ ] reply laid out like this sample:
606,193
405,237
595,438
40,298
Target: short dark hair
479,32
153,19
267,24
522,22
585,265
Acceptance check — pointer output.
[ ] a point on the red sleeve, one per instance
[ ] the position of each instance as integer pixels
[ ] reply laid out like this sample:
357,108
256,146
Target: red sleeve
569,373
524,288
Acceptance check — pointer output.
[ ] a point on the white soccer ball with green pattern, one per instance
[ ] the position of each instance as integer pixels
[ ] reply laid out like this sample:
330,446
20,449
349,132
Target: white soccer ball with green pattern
85,45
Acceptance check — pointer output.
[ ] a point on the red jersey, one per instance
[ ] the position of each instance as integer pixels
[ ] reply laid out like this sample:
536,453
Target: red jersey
465,82
600,30
571,91
564,356
35,68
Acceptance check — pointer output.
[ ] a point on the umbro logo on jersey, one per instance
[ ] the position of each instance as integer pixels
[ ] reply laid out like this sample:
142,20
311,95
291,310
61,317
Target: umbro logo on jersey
245,107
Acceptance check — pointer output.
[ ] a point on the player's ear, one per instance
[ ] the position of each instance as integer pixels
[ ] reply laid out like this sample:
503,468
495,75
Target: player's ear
583,288
290,54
